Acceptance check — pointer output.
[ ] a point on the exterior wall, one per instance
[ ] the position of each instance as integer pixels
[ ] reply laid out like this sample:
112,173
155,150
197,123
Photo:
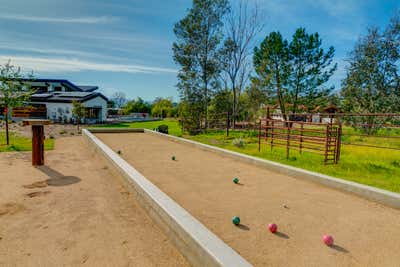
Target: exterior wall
98,102
63,111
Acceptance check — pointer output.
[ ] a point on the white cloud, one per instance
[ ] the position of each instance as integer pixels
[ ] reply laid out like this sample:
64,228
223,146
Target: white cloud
82,20
58,65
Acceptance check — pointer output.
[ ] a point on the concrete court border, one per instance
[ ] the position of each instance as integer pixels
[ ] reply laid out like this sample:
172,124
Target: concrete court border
198,244
381,196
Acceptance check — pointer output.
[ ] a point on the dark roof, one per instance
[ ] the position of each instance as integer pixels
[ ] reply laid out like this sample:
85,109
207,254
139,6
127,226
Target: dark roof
65,97
88,88
79,88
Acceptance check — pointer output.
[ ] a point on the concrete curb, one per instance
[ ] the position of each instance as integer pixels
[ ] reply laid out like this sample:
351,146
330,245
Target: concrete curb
198,244
381,196
115,130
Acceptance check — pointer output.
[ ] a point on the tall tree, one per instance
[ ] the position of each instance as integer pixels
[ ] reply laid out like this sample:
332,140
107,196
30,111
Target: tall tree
271,63
14,90
296,71
242,25
79,112
372,83
311,68
119,99
162,107
197,51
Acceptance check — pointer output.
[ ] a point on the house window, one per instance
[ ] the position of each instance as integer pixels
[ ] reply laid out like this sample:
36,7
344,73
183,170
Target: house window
57,89
92,113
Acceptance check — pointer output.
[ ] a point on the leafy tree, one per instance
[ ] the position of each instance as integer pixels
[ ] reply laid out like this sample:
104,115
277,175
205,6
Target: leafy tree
242,26
271,63
294,73
197,51
79,112
162,107
372,83
311,68
137,106
14,90
119,99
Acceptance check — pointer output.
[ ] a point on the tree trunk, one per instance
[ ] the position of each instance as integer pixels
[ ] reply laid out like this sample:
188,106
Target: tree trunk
234,106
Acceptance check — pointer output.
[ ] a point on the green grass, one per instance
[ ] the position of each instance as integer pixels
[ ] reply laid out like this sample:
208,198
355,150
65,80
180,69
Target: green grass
371,166
19,143
173,126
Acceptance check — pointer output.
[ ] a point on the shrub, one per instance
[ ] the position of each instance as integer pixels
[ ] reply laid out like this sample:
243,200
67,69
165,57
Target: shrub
51,136
62,132
163,128
238,142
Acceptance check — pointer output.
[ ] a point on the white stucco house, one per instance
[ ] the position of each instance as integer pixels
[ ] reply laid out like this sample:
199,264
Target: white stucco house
53,100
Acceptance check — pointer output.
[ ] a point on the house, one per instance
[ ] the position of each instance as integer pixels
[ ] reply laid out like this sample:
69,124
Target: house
53,100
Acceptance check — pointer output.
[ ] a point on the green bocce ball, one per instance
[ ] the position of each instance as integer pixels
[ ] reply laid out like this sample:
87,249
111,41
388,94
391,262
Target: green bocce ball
173,158
236,180
236,220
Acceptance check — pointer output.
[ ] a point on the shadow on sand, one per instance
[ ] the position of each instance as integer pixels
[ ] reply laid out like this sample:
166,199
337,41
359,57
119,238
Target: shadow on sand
339,248
56,178
243,227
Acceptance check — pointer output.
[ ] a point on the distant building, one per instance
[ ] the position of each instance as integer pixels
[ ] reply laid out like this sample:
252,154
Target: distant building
53,100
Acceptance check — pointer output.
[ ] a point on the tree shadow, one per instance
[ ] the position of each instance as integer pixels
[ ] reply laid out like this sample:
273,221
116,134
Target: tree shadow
56,178
339,248
282,235
243,227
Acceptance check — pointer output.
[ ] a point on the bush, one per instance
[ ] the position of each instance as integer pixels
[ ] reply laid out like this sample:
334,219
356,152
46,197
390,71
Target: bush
238,142
163,129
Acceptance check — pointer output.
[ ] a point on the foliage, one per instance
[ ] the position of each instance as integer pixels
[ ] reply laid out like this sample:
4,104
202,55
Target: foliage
137,106
78,111
14,88
197,51
271,64
239,142
372,83
162,107
294,73
163,128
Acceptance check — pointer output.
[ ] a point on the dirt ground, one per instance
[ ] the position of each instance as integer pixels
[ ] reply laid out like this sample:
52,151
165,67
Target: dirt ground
366,233
74,212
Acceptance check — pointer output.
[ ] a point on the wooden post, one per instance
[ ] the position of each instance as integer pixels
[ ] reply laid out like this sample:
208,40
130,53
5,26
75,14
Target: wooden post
37,140
37,145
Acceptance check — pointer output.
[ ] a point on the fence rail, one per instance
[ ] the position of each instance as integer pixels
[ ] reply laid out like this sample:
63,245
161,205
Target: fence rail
318,138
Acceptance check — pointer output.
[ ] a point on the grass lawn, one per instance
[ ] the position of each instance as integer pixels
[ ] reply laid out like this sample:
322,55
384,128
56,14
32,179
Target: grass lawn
19,143
371,166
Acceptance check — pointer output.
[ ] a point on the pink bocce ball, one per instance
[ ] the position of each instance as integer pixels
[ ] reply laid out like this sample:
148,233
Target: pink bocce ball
273,227
328,240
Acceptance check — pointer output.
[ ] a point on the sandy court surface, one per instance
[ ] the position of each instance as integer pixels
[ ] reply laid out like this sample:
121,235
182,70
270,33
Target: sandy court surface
74,212
366,233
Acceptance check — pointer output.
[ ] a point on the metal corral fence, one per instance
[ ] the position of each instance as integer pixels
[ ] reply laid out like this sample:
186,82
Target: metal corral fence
321,133
319,138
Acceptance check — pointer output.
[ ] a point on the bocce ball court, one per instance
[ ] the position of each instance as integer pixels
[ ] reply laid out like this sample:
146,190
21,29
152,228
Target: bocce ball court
366,233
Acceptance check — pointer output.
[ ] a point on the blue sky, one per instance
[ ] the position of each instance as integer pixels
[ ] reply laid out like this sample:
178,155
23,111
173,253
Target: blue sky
125,45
